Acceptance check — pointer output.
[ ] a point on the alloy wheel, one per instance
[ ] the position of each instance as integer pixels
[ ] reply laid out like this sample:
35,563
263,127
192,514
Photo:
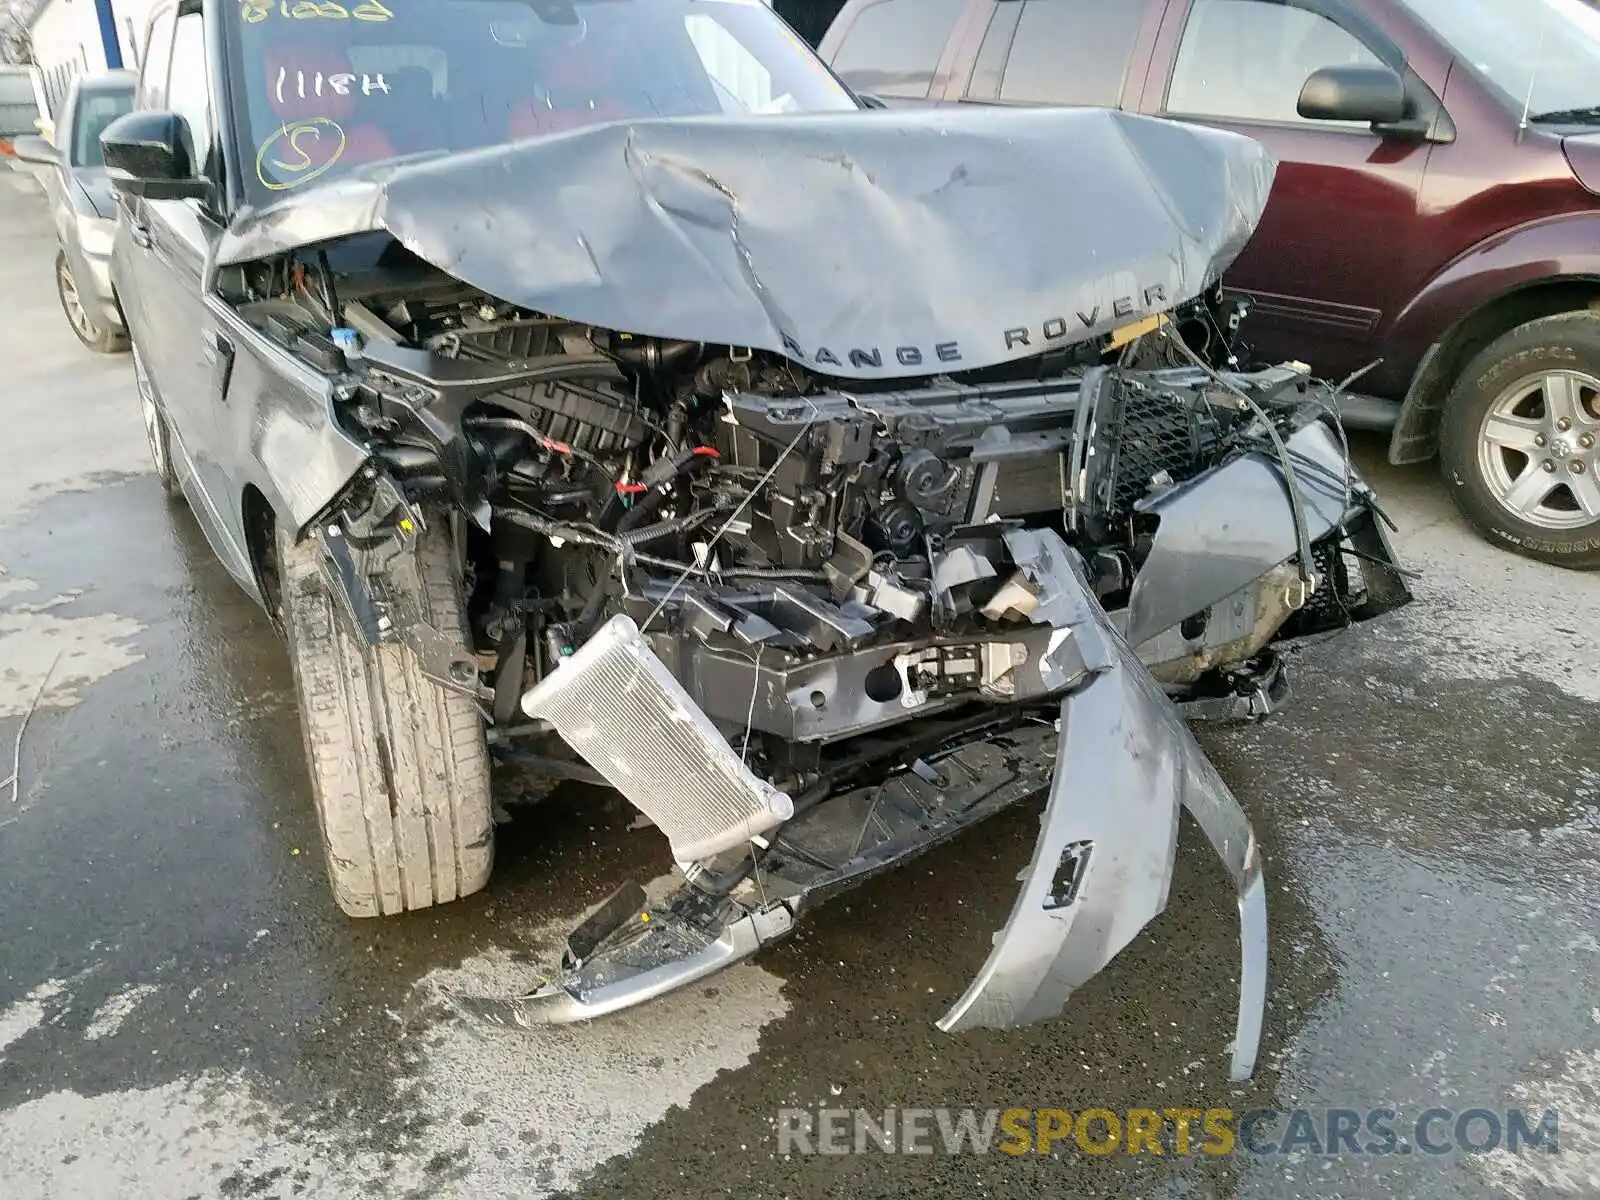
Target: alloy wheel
1539,449
72,303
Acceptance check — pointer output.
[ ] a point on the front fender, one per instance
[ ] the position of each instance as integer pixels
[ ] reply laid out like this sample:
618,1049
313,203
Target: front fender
277,422
1191,565
1562,249
1556,248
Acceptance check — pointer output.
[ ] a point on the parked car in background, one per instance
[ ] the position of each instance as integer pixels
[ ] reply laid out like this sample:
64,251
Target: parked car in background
1436,210
84,209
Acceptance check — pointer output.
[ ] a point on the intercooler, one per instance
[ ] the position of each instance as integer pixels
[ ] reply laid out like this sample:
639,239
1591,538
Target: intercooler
616,703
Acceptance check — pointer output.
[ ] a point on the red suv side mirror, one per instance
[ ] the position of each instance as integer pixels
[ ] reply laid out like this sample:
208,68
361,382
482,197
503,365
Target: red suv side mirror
1374,94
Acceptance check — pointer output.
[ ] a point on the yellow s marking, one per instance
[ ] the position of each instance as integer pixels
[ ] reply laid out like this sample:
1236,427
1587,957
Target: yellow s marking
290,140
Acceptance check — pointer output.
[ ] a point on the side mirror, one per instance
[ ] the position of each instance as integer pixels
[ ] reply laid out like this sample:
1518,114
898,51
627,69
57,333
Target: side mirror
1373,94
31,148
147,154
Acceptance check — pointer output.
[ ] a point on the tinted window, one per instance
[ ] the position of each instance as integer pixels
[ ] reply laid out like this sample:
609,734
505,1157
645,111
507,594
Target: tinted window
1249,59
186,86
893,46
95,111
158,52
1072,51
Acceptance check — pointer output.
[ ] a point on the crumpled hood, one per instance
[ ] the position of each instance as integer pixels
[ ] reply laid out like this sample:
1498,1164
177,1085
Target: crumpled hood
866,245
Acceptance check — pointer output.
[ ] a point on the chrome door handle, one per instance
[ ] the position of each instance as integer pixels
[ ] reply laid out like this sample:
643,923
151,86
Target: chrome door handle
140,234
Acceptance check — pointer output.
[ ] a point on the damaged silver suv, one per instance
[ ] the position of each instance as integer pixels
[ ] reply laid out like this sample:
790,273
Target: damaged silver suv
598,386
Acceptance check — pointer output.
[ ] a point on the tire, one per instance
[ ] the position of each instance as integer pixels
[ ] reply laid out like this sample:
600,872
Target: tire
1520,442
399,765
88,331
157,437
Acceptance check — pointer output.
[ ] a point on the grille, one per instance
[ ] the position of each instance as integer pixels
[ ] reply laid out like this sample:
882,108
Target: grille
618,705
1156,434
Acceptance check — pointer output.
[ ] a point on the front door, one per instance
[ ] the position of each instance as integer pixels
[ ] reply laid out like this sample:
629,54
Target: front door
1336,250
186,376
178,337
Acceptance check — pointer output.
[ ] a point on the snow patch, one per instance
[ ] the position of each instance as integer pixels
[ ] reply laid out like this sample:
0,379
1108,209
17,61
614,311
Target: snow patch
503,1113
108,1018
185,1138
22,1018
33,635
566,1098
1573,1092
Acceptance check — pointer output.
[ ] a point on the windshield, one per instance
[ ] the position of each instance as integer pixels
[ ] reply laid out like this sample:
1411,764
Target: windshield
331,85
97,108
1542,55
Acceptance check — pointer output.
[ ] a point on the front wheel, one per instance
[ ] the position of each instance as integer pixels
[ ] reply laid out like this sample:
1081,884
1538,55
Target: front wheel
399,765
1520,443
90,332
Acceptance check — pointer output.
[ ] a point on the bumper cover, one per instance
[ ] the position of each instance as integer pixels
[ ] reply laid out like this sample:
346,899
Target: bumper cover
1102,866
92,274
1119,764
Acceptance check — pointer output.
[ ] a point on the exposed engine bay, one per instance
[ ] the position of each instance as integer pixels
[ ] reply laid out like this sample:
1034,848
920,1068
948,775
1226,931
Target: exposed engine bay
822,558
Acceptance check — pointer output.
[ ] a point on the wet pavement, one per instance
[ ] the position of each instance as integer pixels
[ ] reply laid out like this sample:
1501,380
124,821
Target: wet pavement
184,1012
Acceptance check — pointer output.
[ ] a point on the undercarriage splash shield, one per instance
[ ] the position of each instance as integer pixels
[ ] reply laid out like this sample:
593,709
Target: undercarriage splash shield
1102,867
618,705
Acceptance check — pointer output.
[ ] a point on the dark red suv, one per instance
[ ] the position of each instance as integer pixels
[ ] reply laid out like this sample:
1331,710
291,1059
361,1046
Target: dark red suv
1435,210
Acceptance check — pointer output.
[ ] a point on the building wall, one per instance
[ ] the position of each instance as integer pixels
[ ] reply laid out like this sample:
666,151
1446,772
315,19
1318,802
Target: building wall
68,31
67,43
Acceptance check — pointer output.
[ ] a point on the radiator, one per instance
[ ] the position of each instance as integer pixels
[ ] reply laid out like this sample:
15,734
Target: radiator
617,705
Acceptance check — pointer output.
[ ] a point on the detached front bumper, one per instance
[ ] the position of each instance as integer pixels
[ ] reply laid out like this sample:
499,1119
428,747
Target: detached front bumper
1102,867
1119,763
1115,758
